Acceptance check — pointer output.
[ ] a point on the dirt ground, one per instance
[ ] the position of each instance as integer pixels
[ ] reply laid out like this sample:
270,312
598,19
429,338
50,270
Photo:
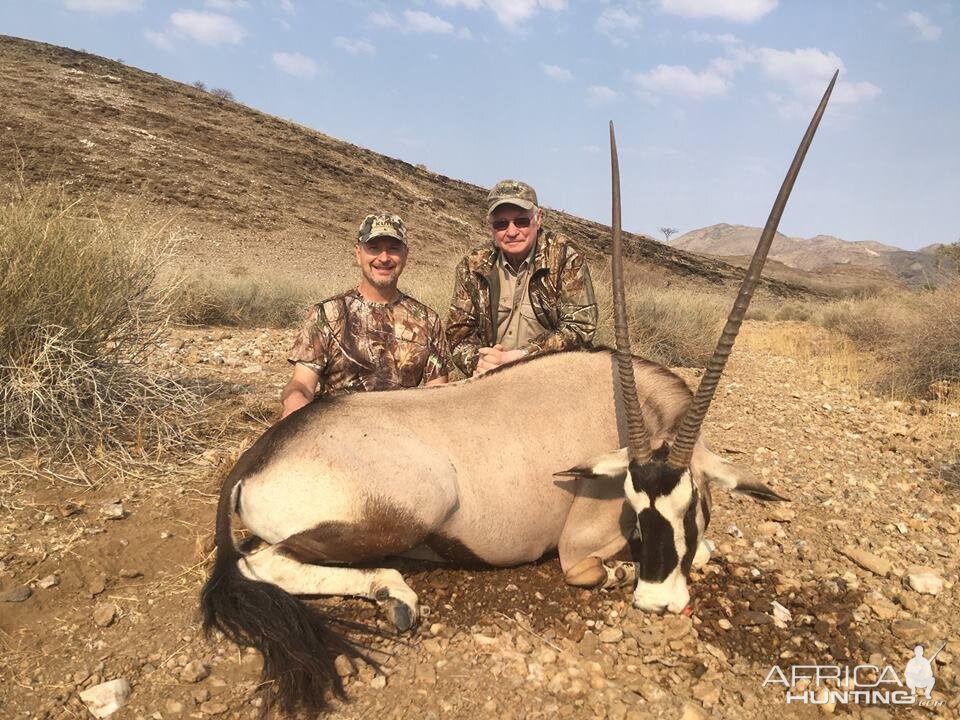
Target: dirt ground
112,589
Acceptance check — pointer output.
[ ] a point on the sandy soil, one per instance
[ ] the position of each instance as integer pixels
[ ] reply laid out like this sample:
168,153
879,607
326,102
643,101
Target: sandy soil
116,597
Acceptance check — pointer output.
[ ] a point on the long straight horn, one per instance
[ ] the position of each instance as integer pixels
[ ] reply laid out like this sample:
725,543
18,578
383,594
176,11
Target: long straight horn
638,442
682,447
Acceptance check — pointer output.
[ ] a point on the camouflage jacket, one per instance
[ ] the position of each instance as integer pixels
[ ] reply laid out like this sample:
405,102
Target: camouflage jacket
561,295
354,344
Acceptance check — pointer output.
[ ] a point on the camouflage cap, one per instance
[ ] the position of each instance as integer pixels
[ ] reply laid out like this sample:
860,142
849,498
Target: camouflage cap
511,192
382,224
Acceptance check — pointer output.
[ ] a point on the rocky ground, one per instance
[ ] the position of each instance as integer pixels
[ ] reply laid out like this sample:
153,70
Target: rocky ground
100,583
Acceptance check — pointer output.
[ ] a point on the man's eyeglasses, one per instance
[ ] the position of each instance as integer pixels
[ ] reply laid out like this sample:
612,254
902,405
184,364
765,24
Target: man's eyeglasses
518,222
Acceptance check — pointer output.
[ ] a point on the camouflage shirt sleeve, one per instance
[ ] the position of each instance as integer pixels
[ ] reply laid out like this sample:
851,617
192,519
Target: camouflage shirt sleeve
575,303
463,323
438,360
313,342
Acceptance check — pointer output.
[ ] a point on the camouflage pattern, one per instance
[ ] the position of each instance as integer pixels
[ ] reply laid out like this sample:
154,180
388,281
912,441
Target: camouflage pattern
382,224
560,290
354,344
511,192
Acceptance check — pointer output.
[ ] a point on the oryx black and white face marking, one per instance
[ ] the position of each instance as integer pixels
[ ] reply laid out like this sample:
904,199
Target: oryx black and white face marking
671,519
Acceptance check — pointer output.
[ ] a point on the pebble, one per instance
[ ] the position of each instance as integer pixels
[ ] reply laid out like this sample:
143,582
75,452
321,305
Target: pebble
913,631
379,682
104,614
16,594
106,698
869,561
194,671
924,580
213,707
112,511
344,666
589,645
49,581
611,635
173,707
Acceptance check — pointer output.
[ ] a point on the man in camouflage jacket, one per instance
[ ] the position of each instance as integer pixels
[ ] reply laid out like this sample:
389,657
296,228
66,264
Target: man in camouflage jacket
526,292
372,337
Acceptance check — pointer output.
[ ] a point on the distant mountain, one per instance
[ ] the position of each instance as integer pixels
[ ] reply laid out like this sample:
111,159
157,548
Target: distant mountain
822,253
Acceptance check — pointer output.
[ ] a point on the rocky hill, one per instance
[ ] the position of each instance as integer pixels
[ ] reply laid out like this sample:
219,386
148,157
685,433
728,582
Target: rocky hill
823,254
239,183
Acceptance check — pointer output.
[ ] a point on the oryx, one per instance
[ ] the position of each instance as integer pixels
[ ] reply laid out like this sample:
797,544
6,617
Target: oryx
377,474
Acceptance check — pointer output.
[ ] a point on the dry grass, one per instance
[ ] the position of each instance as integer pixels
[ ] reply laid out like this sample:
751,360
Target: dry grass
79,314
673,326
238,300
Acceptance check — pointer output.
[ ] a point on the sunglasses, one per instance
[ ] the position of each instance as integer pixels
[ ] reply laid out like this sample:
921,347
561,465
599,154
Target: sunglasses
518,222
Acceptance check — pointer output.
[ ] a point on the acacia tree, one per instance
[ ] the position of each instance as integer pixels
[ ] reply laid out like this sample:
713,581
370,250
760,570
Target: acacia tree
667,232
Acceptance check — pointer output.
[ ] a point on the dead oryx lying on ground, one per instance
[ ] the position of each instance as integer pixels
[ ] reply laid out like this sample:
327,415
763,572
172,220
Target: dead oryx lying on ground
377,474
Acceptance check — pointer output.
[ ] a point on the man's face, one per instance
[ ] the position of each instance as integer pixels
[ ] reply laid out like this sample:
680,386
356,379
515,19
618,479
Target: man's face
381,261
515,242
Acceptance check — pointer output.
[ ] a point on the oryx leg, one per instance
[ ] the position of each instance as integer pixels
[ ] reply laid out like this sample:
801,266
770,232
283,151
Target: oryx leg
593,546
386,586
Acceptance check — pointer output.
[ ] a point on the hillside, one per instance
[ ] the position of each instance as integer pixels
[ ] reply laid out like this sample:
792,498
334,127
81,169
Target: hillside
829,257
241,185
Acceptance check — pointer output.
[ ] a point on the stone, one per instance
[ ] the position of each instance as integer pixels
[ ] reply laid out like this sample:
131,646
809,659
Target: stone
50,581
869,561
213,707
610,635
924,580
782,515
106,698
16,594
379,682
344,666
104,614
173,707
692,711
194,671
426,673
589,645
914,631
112,511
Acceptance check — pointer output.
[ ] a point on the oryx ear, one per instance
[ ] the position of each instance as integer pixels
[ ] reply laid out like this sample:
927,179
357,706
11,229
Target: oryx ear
609,465
730,476
759,491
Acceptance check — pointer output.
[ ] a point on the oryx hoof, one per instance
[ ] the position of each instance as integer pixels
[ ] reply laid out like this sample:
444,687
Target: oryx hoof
402,616
619,574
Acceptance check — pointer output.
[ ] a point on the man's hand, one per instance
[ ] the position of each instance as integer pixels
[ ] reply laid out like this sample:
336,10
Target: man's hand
491,357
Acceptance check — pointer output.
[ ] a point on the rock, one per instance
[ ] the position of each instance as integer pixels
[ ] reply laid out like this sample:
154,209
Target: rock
173,707
706,692
213,707
16,594
914,631
251,369
112,511
782,515
724,624
97,584
106,698
924,580
49,581
883,608
868,561
104,614
484,640
194,671
781,613
344,666
610,635
379,682
692,711
589,645
426,673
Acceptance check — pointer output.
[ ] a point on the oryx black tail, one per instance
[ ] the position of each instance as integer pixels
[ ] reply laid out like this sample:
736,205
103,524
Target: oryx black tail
298,643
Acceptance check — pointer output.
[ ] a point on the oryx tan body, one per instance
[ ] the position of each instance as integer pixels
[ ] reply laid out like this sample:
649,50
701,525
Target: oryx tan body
469,465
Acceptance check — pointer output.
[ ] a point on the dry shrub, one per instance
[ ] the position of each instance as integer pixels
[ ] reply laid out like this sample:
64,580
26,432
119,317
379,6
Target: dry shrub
925,353
872,323
238,300
672,326
79,314
794,311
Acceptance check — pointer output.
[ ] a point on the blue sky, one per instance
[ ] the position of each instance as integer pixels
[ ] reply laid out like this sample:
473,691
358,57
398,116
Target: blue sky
709,97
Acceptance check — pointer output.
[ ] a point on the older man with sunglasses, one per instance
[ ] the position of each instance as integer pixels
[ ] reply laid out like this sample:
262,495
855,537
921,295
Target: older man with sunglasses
527,291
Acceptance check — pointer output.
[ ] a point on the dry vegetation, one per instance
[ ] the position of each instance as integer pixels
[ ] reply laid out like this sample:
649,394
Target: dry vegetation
79,313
